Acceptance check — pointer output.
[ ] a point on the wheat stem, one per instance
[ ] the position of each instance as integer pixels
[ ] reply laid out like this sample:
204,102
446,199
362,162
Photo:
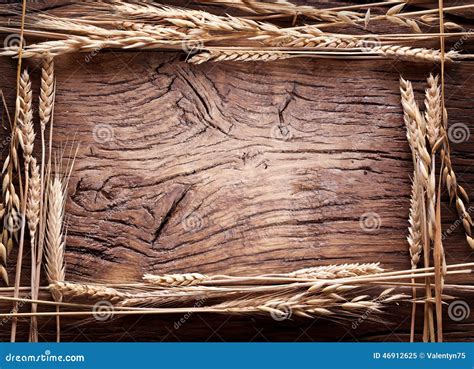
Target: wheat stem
26,136
46,103
33,214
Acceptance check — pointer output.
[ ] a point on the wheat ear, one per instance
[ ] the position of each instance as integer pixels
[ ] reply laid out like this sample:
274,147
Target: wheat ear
416,128
33,200
26,134
55,243
337,271
320,272
46,91
433,126
335,16
456,191
416,135
196,20
77,290
3,249
11,211
433,111
26,137
286,8
32,215
46,102
415,229
237,55
188,279
151,41
327,303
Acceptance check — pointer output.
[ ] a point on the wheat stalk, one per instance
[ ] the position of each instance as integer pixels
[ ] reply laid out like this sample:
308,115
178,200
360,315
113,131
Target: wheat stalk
10,211
286,8
120,28
331,303
55,238
33,215
46,102
10,206
334,298
26,137
11,200
456,191
192,19
415,233
4,238
302,304
388,51
193,23
416,135
13,163
89,44
334,16
3,250
168,38
320,272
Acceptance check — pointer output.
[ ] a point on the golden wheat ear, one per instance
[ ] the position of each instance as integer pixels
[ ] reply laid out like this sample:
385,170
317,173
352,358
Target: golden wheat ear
55,242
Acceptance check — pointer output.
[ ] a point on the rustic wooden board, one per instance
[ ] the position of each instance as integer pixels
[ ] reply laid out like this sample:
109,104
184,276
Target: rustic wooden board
240,168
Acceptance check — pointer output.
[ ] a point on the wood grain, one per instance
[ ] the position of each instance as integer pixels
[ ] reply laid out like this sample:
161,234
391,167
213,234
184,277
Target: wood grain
240,168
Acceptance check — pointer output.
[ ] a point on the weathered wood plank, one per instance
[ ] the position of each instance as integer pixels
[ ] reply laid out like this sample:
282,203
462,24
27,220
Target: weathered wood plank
240,168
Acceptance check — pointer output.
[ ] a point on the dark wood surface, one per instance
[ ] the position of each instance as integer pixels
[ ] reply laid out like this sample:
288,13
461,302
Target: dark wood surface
240,168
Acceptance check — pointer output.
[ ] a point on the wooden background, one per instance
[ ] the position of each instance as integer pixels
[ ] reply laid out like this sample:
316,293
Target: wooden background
240,168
